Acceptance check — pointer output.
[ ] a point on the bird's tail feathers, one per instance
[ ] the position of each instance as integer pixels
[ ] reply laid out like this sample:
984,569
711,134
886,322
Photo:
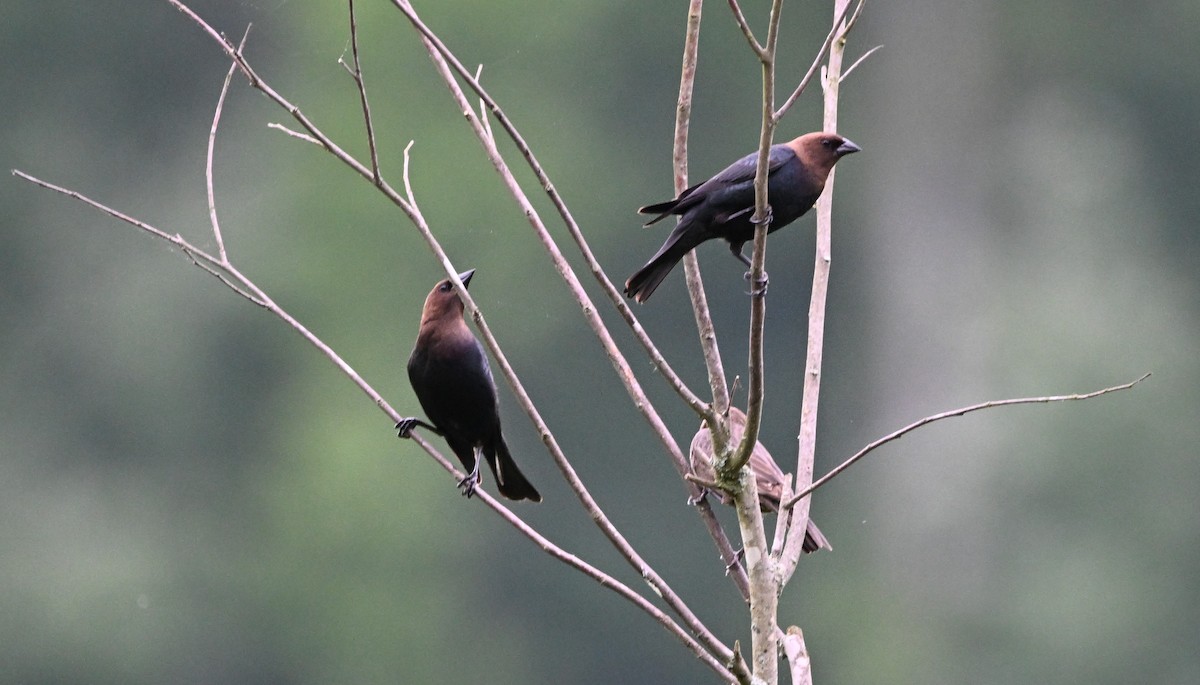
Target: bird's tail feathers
509,480
814,539
642,284
662,209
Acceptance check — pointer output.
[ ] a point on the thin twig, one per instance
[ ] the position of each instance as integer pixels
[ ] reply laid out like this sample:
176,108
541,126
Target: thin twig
259,84
175,240
860,60
187,251
362,95
896,435
740,18
295,134
483,113
208,162
758,274
853,20
812,69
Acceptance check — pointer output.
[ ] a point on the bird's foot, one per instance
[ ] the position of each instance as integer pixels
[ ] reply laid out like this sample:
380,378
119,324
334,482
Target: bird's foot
468,484
693,501
405,427
737,561
759,288
766,219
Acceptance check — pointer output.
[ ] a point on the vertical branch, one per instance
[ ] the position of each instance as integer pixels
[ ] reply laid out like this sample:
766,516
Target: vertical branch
761,221
790,554
760,565
356,72
208,160
797,655
764,590
691,265
695,285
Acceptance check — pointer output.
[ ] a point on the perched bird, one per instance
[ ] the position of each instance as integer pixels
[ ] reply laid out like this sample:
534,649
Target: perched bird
450,375
767,475
722,206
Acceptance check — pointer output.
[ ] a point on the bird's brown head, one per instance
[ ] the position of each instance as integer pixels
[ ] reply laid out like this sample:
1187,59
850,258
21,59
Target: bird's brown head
443,301
820,151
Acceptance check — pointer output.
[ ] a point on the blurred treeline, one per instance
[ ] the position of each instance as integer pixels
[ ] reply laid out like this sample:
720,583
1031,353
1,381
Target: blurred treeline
190,494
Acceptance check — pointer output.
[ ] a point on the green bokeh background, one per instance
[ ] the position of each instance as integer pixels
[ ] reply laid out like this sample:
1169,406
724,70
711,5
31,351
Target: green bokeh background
191,494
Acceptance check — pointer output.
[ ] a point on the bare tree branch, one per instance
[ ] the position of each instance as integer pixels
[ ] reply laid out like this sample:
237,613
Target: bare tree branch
789,556
896,435
695,285
256,82
740,18
760,564
679,154
833,31
357,74
296,134
860,60
187,251
208,162
587,569
797,655
175,239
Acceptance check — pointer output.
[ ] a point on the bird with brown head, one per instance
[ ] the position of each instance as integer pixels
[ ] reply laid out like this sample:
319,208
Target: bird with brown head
451,378
723,206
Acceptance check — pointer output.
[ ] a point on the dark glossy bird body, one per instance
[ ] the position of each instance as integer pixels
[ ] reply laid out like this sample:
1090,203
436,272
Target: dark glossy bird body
768,477
450,375
722,206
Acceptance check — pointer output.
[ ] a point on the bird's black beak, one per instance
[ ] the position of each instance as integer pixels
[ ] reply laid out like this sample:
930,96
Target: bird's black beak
465,277
847,147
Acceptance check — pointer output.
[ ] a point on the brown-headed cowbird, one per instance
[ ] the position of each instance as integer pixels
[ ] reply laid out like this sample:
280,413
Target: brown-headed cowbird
722,206
450,375
767,475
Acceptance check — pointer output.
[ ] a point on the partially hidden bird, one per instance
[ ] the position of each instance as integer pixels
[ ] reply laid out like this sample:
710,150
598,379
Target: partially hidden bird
450,375
723,206
767,475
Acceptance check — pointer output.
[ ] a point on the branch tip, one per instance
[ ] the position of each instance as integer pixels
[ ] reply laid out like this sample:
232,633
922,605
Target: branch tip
896,435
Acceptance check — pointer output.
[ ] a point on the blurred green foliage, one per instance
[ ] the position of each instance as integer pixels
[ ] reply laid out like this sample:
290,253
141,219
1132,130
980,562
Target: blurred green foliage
190,494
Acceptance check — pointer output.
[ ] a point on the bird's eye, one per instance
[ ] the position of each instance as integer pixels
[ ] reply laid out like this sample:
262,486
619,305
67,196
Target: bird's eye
827,142
446,287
